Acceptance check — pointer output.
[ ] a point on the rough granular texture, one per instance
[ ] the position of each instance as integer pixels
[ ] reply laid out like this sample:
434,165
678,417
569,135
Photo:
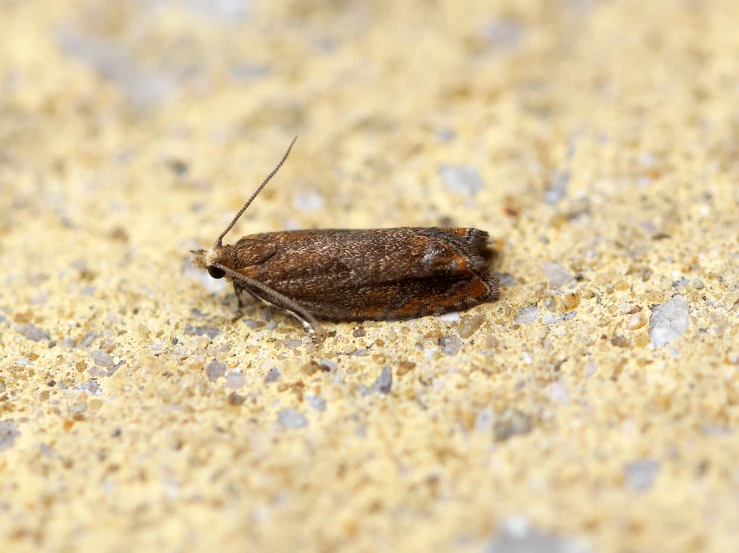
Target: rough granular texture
594,407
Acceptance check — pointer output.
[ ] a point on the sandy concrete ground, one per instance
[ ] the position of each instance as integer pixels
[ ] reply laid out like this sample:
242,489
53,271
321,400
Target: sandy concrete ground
593,408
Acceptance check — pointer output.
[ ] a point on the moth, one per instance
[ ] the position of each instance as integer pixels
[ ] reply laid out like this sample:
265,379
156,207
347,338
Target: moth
353,275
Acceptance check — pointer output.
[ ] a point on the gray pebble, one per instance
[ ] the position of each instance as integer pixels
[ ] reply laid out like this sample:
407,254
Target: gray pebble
33,333
292,343
292,418
641,474
214,370
527,315
558,276
505,279
316,402
461,179
235,380
224,10
308,201
518,537
484,420
382,385
502,33
557,187
101,358
91,387
273,375
88,339
451,344
558,392
209,331
8,434
115,367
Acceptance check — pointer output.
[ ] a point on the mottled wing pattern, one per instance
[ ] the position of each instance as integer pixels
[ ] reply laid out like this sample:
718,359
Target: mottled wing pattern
372,274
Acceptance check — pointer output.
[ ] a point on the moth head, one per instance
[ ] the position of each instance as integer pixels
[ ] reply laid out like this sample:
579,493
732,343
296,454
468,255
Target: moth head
226,255
206,259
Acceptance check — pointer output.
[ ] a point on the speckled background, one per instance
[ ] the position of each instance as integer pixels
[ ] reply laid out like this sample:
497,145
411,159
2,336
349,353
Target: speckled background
592,409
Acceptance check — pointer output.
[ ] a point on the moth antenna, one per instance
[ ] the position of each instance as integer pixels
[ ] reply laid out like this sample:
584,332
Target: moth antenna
219,241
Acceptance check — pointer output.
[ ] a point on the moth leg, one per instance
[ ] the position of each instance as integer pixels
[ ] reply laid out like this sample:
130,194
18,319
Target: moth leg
272,297
239,291
312,327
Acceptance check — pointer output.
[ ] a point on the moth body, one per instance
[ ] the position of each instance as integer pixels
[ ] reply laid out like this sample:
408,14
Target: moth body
347,275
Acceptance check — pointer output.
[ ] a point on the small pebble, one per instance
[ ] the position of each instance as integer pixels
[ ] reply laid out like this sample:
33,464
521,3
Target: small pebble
214,370
491,341
451,345
33,333
622,285
444,134
450,317
571,301
518,537
78,408
236,399
636,321
209,331
469,325
307,201
8,434
316,402
101,358
91,387
292,343
550,318
527,315
461,179
327,364
291,418
273,375
404,367
641,474
511,423
620,341
558,276
382,385
88,339
505,279
558,392
115,367
669,321
557,187
484,420
235,380
698,284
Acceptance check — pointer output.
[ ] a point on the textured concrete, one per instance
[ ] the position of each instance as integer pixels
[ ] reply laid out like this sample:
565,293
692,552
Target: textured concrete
593,408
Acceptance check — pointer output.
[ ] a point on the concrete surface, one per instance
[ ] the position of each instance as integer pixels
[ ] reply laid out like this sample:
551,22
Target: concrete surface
593,408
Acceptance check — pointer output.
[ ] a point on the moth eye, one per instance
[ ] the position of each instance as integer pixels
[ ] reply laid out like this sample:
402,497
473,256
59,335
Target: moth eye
215,272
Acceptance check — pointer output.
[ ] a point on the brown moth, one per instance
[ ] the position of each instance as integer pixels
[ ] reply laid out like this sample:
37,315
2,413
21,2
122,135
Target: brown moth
353,275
